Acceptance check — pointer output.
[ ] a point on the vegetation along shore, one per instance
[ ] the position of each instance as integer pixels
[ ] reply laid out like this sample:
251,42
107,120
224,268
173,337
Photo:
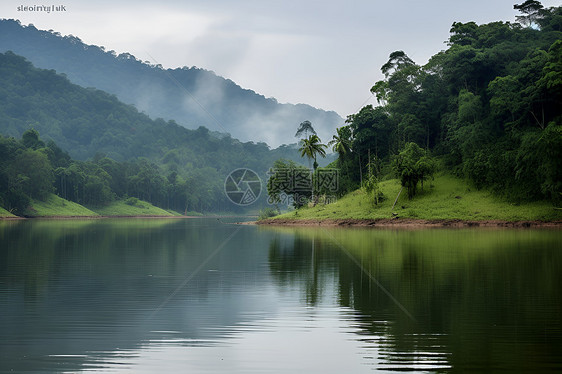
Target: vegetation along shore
474,135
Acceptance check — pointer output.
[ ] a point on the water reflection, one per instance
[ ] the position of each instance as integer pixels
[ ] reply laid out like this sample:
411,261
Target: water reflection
478,299
204,296
72,290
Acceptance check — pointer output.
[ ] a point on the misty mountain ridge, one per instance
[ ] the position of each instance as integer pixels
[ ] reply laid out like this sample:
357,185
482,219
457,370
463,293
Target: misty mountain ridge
192,96
167,164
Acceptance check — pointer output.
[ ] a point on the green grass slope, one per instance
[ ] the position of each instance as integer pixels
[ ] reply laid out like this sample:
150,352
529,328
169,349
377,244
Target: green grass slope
57,206
141,208
444,198
5,213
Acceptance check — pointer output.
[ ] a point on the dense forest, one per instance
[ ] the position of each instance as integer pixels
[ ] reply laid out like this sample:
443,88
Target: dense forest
191,96
489,108
31,169
130,154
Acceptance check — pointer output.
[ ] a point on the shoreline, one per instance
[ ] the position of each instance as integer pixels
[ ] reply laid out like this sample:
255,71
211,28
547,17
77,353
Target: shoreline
408,223
16,218
87,217
400,223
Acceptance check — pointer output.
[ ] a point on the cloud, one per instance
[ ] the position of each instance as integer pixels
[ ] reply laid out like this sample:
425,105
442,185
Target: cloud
323,53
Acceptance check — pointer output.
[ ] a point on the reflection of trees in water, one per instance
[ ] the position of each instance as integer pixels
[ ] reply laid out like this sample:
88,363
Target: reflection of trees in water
81,287
312,261
295,263
484,301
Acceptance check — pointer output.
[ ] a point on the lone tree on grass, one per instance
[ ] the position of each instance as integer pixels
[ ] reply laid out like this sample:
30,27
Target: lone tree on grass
413,165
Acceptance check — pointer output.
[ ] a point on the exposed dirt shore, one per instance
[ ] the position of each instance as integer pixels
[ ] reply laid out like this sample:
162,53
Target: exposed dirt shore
349,222
408,223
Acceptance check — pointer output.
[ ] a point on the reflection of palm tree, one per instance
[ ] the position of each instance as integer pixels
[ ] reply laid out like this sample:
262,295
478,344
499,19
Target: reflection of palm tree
286,260
313,286
312,267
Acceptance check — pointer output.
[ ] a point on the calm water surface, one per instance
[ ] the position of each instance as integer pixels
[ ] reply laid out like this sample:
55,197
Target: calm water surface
204,296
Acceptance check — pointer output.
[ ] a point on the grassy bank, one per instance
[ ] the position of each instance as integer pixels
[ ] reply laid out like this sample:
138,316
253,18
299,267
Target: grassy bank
141,208
445,198
57,206
5,213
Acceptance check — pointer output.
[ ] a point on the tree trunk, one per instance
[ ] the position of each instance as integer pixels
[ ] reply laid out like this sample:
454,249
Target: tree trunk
395,201
360,171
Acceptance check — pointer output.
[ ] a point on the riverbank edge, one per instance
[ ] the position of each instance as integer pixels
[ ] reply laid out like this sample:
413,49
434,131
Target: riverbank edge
88,217
15,218
407,223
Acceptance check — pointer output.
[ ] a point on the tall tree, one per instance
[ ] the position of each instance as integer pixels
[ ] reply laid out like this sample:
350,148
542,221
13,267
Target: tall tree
396,61
341,142
33,173
305,127
30,139
530,12
311,147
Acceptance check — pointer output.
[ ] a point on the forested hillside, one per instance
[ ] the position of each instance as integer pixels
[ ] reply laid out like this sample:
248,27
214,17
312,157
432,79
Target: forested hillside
130,154
489,106
487,109
191,96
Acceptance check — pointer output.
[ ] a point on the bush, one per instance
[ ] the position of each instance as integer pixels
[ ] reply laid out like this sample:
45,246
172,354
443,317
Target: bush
267,213
372,188
133,201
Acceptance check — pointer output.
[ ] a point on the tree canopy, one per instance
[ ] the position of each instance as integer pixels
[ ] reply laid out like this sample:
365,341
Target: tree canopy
488,106
114,151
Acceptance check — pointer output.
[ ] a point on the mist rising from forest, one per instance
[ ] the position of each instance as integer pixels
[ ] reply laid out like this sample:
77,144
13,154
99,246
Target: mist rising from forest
192,97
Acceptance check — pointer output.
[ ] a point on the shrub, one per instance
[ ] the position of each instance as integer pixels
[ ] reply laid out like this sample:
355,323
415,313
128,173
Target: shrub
133,201
267,213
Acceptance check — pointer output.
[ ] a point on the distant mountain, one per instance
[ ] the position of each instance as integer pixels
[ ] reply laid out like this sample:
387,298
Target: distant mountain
89,124
192,97
87,121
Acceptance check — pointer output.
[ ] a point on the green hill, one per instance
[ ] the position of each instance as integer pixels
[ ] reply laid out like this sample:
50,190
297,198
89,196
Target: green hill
138,208
57,206
5,213
153,160
444,198
192,96
486,108
86,122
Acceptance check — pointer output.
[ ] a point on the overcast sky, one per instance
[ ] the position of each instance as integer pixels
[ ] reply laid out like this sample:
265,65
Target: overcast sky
323,53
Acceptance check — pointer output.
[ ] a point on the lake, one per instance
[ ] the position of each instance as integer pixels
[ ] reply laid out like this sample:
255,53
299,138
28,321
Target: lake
207,296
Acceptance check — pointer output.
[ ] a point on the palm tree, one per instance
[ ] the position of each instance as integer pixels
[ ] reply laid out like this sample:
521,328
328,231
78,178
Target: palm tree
341,143
311,147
